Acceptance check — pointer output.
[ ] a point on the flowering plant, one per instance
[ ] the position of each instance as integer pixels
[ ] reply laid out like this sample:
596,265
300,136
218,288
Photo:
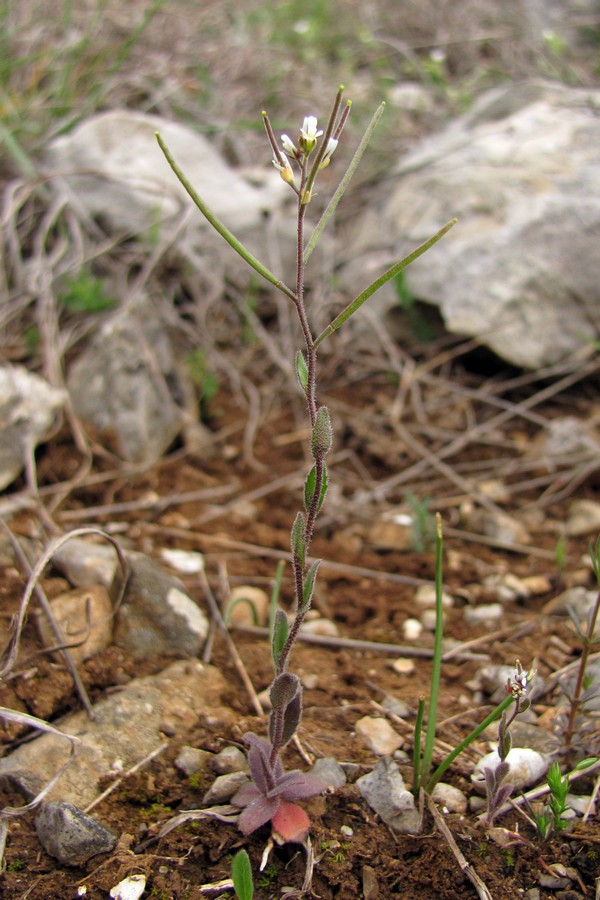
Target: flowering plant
271,795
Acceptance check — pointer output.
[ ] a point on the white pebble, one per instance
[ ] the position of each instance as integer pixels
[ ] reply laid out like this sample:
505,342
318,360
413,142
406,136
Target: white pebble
412,630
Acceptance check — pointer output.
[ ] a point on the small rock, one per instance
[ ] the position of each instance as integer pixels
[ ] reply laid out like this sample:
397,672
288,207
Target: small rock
385,792
310,680
425,597
429,619
323,627
412,630
450,798
85,563
328,770
70,835
481,615
580,804
395,534
188,562
537,585
403,666
583,517
498,526
229,759
247,605
224,787
28,406
191,760
491,679
378,735
85,617
156,617
130,888
397,707
526,768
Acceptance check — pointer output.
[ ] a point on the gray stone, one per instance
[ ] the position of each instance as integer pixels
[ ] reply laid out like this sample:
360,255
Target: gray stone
157,617
191,760
584,517
86,563
127,728
224,787
328,770
28,410
70,835
386,794
483,614
229,759
111,166
128,385
450,798
378,735
521,270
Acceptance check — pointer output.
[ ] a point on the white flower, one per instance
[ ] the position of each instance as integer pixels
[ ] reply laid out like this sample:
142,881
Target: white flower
331,145
309,134
288,146
284,169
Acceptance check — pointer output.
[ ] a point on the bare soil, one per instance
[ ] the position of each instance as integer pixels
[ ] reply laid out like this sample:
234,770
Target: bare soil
367,593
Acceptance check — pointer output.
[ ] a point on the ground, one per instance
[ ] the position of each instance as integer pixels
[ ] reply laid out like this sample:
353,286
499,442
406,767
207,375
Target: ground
362,592
420,427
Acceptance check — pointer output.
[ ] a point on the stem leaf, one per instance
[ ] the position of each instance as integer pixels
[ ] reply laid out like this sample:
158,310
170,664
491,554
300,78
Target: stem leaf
379,282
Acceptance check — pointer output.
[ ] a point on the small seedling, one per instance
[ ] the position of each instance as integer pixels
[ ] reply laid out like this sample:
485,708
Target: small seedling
241,875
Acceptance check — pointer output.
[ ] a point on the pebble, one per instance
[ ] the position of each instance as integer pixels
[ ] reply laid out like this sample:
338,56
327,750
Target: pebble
403,666
322,627
191,760
229,759
450,798
391,535
130,888
188,562
412,630
498,526
425,596
224,787
71,836
378,735
396,706
384,790
247,605
429,619
328,770
80,613
583,518
481,615
526,768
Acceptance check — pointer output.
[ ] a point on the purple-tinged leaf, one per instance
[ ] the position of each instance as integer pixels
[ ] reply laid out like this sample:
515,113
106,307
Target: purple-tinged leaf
291,719
259,762
257,813
284,689
245,795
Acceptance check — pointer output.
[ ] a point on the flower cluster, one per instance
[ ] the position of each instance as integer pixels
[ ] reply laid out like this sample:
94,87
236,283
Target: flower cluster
298,153
520,683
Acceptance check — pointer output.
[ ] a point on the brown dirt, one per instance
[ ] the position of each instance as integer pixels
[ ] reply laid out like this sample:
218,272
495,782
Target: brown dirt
364,596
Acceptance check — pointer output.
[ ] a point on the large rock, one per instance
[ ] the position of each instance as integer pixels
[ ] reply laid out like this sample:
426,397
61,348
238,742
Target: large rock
128,384
521,270
111,167
28,409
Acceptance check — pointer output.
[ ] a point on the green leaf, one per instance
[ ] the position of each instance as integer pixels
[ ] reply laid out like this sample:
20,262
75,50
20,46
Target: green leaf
332,205
241,875
309,585
310,485
281,630
302,370
379,282
221,228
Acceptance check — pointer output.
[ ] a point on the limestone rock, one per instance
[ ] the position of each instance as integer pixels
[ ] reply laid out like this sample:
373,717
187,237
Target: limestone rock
28,408
386,794
85,617
128,385
521,270
127,727
378,735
